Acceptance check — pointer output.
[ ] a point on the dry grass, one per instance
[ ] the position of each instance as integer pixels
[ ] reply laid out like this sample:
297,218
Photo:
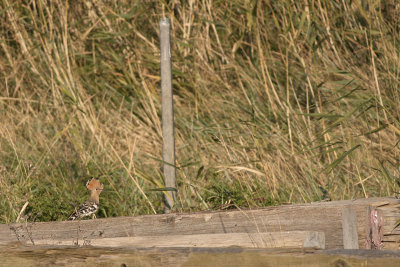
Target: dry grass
275,101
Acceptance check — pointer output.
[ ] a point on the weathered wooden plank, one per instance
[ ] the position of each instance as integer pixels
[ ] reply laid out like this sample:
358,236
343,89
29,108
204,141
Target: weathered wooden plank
87,256
321,217
294,239
349,224
389,232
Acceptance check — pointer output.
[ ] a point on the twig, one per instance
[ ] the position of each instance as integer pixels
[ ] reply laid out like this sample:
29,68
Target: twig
22,210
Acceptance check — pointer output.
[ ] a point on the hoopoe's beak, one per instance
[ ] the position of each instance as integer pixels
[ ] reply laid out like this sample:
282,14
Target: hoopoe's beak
104,190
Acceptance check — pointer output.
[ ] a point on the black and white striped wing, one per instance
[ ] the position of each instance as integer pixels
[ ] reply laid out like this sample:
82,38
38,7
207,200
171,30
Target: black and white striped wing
86,209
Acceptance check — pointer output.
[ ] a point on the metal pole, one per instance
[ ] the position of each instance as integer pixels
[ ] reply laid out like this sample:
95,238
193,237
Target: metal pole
167,115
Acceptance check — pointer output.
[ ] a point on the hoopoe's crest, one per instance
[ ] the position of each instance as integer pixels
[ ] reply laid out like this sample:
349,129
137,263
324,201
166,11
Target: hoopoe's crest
92,205
94,184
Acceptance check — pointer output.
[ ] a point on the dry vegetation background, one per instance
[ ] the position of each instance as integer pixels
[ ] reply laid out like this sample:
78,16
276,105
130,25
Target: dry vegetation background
275,102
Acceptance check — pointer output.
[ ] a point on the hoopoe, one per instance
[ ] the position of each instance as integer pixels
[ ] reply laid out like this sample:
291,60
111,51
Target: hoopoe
92,205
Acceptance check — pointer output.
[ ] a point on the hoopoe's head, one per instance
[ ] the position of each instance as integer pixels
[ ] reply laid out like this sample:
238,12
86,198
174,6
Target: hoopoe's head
94,185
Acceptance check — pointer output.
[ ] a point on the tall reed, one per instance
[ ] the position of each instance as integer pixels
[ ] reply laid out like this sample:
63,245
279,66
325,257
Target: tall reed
275,102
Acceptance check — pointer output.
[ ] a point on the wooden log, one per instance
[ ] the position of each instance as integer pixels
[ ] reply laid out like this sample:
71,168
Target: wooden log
233,256
320,217
294,239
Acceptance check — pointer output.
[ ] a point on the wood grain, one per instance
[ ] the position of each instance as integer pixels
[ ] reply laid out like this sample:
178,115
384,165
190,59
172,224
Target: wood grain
294,239
391,233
